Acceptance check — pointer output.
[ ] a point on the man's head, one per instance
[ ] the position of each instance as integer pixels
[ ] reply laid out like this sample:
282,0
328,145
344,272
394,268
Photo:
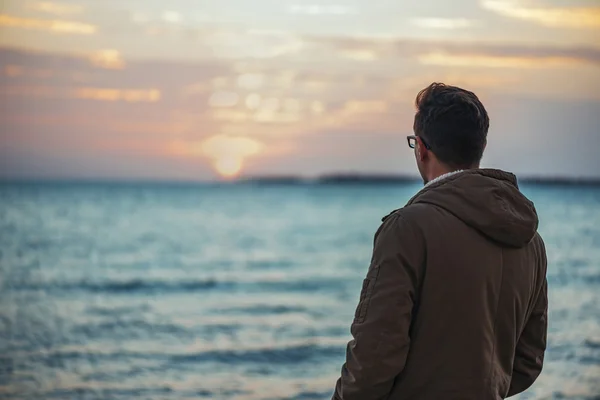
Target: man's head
451,128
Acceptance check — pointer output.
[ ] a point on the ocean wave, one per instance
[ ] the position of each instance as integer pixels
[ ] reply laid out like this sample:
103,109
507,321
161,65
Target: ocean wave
592,343
277,355
117,311
290,353
262,309
147,286
128,329
107,393
126,286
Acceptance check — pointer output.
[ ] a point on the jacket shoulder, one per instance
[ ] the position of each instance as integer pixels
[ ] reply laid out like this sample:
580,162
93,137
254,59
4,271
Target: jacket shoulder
406,220
411,213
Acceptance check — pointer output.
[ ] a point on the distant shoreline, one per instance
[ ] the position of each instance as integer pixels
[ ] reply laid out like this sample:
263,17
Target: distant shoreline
330,179
325,179
366,179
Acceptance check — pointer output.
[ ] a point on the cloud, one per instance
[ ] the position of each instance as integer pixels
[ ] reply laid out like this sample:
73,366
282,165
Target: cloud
223,99
106,68
360,55
83,93
490,61
58,9
453,52
587,55
54,26
127,95
443,23
172,17
40,85
555,17
109,59
320,9
254,107
14,71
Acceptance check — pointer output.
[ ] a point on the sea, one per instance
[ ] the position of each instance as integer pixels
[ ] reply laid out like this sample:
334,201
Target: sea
234,291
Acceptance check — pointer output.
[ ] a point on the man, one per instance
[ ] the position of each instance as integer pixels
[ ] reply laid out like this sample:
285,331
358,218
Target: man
454,304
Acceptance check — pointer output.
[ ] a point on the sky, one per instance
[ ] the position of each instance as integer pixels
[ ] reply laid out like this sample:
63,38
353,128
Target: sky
205,90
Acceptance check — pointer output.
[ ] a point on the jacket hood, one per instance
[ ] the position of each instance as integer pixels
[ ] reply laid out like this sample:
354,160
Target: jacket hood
488,200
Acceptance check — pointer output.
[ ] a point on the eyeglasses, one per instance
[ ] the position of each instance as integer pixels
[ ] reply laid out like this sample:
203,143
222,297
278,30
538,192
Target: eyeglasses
412,142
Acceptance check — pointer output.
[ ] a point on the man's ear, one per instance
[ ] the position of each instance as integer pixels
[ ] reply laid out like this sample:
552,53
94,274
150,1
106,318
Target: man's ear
422,151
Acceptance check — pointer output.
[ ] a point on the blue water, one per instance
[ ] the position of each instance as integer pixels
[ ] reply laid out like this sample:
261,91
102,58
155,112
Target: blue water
234,291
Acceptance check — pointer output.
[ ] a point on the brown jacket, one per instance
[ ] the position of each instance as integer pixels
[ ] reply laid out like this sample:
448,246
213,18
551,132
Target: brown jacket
454,305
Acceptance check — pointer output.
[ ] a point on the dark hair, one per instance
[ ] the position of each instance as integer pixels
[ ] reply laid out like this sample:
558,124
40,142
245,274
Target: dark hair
454,124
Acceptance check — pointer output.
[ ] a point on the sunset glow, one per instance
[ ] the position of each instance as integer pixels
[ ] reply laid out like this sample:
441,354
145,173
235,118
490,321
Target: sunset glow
56,26
229,166
228,153
239,88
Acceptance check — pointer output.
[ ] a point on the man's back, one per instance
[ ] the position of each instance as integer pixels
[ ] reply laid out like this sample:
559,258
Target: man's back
454,305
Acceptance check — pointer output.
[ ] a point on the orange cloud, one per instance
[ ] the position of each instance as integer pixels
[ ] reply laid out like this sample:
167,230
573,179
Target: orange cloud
127,95
85,93
360,55
109,59
491,61
13,71
365,107
121,128
55,26
577,18
413,48
59,9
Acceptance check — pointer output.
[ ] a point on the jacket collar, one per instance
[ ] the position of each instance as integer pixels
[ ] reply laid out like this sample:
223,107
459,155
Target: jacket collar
450,177
444,176
489,172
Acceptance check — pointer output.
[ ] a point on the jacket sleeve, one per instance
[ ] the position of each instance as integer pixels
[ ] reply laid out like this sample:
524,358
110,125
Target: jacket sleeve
380,330
529,353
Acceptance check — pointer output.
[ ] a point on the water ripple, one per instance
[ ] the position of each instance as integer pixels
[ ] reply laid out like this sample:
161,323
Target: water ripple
233,292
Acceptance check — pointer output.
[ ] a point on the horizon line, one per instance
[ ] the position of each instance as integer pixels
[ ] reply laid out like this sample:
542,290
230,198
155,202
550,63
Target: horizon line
325,178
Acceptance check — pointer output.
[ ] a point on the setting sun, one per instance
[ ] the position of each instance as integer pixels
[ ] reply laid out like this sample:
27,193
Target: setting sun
228,167
228,153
